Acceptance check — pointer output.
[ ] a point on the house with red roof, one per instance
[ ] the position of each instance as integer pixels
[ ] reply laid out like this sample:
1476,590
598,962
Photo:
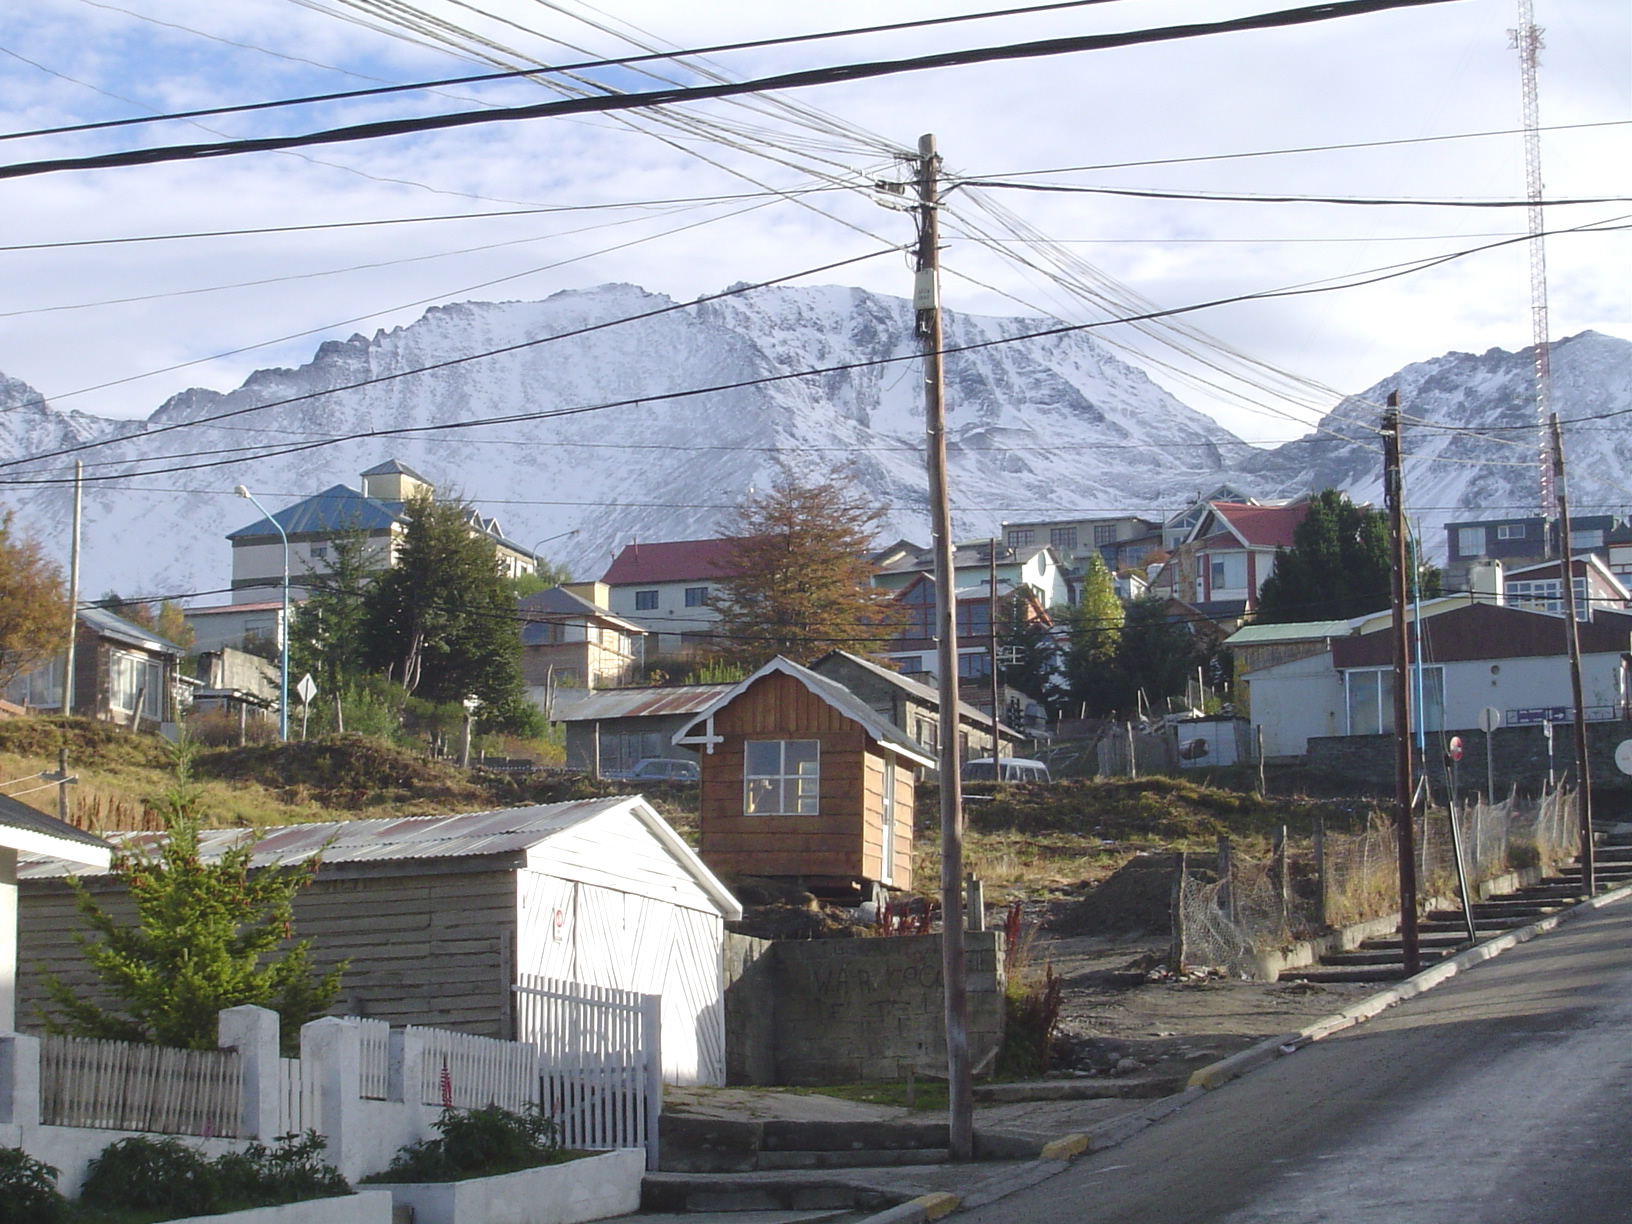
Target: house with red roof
666,588
1230,551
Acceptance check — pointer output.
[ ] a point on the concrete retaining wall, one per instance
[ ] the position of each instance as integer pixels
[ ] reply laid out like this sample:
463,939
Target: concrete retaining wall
836,1011
593,1188
1519,755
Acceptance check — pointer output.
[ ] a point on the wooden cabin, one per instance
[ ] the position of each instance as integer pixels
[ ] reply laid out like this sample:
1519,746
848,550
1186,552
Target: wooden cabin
802,780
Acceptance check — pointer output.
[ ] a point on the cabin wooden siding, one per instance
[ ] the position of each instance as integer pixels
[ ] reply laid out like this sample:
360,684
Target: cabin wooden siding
844,837
432,946
873,832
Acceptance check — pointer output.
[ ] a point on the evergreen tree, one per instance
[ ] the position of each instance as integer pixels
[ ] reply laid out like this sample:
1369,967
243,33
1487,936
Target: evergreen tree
802,583
34,613
1093,629
326,633
205,936
1156,656
1337,567
1033,649
442,621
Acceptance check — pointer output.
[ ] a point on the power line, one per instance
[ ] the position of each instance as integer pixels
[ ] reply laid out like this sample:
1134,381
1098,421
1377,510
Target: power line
548,414
1244,198
667,97
541,69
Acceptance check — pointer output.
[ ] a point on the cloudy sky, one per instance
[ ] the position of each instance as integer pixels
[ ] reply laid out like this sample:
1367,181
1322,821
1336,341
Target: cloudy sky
706,196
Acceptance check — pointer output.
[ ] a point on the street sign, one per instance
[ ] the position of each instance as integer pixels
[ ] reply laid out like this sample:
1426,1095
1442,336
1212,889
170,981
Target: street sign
307,688
1489,719
1455,752
1623,756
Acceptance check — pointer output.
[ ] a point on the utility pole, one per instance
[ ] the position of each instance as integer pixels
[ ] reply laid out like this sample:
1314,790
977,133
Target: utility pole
991,646
926,301
1572,634
73,593
1404,791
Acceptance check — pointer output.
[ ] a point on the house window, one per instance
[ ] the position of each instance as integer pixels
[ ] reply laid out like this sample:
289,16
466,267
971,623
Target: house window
920,605
645,601
1063,537
696,597
1229,572
1104,533
132,678
40,689
1512,531
1019,537
974,619
1470,541
1371,700
320,552
1547,595
910,665
929,734
1580,540
975,665
781,777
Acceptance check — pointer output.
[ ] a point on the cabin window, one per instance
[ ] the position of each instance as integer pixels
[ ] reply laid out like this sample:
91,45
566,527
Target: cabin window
645,601
781,777
132,678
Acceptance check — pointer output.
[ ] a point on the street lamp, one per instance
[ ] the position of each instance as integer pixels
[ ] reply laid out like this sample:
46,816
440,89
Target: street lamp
560,535
283,625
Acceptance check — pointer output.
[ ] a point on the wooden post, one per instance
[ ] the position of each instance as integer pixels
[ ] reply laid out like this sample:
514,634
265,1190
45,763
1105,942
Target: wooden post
1572,631
1133,755
1226,875
954,969
1262,789
1320,870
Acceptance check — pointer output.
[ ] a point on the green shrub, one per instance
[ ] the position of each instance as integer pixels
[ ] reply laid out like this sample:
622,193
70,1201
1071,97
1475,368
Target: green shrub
152,1175
28,1190
292,1170
478,1143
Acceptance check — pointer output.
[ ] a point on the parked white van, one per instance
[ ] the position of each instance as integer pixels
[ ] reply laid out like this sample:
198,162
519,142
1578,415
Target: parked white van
1006,769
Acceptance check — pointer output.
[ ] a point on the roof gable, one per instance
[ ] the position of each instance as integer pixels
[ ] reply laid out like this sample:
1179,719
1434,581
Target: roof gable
882,731
673,561
335,509
553,604
1262,526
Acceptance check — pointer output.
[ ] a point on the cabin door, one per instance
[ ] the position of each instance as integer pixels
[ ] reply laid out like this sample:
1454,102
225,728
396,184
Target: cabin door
888,874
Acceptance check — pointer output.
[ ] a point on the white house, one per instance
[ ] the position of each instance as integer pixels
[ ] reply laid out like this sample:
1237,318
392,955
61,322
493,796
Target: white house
25,831
440,915
666,589
1474,655
1035,566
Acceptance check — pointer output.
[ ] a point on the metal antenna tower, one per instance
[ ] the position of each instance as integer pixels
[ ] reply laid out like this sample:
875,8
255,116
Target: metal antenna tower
1527,41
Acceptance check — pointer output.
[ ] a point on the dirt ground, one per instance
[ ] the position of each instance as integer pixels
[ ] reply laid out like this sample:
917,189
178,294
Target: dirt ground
1113,1009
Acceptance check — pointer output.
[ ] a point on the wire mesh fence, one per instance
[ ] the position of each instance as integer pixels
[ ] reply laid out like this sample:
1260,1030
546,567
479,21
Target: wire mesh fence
1228,916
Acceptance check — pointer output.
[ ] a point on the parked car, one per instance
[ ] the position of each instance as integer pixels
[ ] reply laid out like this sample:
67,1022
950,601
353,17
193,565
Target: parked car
660,769
1006,769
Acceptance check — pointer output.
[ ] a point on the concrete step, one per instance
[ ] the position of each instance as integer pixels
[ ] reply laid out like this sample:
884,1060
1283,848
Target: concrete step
1366,973
1380,956
854,1160
1425,940
783,1191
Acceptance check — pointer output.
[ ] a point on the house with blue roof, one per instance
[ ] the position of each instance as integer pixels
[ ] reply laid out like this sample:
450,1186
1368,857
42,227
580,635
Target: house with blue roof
313,523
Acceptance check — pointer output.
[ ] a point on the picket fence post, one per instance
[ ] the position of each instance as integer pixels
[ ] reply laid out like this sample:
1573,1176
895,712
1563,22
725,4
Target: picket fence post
19,1080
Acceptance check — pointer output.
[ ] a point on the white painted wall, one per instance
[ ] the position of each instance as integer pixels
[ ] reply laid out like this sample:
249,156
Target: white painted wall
671,617
1510,684
1295,701
8,939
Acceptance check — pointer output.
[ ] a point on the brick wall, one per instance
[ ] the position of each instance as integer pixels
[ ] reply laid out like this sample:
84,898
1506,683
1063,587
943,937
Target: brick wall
836,1011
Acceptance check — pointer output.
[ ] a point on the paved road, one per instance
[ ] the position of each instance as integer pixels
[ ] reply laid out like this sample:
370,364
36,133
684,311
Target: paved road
1501,1097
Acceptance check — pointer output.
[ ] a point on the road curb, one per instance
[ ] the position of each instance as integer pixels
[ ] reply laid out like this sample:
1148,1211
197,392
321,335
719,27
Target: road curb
1056,1156
1216,1075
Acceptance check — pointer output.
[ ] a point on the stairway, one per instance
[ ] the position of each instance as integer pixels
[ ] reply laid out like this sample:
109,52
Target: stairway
1444,932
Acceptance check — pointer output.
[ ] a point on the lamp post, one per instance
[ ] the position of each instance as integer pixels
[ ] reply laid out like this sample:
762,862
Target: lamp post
283,625
560,535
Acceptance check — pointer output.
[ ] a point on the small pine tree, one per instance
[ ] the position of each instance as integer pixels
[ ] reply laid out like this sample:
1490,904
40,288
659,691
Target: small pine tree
205,936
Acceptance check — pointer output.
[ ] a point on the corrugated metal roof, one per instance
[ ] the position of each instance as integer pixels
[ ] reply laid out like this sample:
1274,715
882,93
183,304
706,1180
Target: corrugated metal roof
1300,631
122,630
637,702
20,816
509,831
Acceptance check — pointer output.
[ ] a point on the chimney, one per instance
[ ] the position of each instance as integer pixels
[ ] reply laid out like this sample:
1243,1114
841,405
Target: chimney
1485,582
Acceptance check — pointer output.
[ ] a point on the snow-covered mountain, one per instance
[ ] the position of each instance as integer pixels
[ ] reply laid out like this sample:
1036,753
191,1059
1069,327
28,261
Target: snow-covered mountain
1055,423
1450,474
592,438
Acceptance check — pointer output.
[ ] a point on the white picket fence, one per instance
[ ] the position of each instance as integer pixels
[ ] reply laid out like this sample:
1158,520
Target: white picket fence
461,1071
118,1085
375,1042
298,1102
599,1061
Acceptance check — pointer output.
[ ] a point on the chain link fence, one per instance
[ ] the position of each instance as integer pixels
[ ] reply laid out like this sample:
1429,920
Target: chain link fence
1228,915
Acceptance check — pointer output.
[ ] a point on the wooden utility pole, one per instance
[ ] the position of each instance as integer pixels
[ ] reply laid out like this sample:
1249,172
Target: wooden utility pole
1404,791
1572,635
991,646
926,301
73,593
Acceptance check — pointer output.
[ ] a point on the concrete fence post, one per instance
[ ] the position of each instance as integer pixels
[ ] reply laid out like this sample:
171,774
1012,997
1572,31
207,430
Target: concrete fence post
406,1081
254,1033
334,1046
19,1080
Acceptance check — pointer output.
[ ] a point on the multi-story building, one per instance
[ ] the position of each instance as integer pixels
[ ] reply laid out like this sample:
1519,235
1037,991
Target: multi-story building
667,590
1526,539
1122,541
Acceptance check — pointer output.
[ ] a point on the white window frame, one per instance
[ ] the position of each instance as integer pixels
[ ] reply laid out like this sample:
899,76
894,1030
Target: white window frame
783,787
130,674
1471,541
887,873
1513,531
697,597
1433,698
